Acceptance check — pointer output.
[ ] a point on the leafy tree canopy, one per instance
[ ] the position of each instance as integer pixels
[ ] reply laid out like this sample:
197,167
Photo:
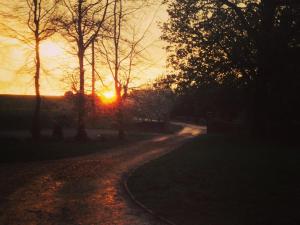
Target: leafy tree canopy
247,46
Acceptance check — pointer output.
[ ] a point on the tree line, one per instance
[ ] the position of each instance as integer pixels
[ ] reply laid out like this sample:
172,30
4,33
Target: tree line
231,58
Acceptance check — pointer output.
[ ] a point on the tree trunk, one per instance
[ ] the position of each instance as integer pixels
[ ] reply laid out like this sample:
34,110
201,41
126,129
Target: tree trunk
93,79
81,132
119,114
120,118
36,130
262,108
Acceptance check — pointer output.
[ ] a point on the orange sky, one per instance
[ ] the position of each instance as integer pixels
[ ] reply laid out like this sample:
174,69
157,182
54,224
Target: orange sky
16,73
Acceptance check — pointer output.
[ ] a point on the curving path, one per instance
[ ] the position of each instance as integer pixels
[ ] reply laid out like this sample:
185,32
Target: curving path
83,190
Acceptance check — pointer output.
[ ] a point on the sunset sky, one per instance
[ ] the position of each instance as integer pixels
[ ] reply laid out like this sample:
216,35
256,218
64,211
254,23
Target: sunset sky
16,60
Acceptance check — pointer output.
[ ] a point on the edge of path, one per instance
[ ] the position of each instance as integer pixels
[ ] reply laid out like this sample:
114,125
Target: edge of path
137,202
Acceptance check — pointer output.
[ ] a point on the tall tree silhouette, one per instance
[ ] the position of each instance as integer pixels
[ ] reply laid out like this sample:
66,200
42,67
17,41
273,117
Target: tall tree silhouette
81,23
38,16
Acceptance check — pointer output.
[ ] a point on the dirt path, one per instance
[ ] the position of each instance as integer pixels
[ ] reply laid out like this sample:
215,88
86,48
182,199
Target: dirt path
84,190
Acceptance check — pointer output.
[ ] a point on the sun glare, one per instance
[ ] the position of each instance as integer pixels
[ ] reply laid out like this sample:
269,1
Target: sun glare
108,97
51,49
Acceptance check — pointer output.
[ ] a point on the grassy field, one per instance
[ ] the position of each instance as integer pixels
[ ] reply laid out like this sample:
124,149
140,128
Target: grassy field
217,180
23,150
16,111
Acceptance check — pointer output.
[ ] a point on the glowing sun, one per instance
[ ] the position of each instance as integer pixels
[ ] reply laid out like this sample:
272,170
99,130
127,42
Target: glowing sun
108,97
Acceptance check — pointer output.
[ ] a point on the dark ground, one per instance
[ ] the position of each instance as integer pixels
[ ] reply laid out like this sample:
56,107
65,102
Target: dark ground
83,190
217,180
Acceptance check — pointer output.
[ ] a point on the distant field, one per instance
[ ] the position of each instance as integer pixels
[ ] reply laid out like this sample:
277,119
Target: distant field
16,113
219,180
27,101
16,110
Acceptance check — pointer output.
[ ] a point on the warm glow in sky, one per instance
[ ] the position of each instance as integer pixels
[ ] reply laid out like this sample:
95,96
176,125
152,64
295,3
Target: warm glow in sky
108,96
59,64
51,49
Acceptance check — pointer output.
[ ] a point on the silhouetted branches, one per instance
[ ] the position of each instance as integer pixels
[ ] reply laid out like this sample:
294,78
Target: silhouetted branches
121,50
81,22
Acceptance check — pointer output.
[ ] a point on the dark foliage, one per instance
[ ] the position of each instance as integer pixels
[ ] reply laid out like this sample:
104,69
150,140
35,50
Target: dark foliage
236,59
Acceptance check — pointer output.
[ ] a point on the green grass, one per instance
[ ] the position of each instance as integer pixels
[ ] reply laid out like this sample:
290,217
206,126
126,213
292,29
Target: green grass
217,180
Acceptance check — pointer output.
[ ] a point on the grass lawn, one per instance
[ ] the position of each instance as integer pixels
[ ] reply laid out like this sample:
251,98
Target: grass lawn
217,180
23,150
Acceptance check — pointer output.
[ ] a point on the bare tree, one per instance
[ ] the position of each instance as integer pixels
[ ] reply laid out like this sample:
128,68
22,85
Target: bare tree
38,16
81,23
121,52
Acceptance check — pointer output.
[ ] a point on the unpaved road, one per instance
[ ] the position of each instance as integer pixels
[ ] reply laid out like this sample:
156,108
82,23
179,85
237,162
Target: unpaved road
84,190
